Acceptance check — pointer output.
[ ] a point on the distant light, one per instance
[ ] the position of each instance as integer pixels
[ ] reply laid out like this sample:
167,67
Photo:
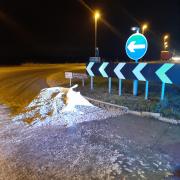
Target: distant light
97,15
166,46
135,29
166,37
176,58
145,26
166,43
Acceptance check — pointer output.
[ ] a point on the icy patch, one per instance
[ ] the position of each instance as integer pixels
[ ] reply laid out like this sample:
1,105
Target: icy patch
62,106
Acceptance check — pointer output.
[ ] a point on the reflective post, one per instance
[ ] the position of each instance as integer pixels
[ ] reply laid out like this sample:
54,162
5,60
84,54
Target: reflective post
163,91
120,87
147,90
92,83
110,84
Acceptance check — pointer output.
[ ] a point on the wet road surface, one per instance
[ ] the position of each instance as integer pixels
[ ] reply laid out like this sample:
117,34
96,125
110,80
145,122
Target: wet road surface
127,147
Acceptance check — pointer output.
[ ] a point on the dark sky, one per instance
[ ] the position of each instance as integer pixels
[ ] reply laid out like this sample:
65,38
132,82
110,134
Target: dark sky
60,30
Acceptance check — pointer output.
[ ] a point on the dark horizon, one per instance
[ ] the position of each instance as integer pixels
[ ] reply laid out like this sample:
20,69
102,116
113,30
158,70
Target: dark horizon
61,31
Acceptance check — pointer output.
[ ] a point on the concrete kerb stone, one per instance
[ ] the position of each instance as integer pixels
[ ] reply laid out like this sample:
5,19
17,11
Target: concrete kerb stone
111,106
106,105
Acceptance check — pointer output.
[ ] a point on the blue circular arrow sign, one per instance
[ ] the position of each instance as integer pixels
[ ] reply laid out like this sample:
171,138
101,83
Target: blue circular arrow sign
136,46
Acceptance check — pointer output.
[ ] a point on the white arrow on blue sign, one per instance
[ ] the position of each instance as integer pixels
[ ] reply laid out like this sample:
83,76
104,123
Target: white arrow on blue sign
137,71
102,69
89,69
161,73
118,72
136,46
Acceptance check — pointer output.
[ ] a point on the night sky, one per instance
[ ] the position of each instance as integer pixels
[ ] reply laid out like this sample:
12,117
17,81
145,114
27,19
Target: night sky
63,30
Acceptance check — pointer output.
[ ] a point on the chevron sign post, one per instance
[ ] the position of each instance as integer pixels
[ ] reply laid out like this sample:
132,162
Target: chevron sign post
120,76
165,73
89,70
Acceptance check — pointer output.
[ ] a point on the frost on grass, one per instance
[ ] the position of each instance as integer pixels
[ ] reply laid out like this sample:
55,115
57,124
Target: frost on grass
62,106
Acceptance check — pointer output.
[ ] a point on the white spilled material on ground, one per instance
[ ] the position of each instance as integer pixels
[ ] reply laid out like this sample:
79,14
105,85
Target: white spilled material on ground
62,106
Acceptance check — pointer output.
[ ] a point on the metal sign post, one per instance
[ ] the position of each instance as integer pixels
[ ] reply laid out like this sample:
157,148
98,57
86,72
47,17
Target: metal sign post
163,91
110,84
82,82
102,70
147,90
120,87
92,87
90,72
120,76
70,82
135,86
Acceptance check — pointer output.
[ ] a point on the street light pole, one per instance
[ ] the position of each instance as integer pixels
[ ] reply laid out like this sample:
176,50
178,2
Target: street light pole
95,35
144,28
96,17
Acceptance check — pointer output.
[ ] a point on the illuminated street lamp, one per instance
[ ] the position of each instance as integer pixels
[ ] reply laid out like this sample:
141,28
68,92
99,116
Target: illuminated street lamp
97,16
166,46
144,27
136,29
166,37
165,41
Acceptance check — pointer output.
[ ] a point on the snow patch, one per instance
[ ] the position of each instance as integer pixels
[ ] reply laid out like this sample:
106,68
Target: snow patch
58,105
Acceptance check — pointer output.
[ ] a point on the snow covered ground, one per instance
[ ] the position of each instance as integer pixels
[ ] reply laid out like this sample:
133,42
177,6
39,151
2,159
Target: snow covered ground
62,106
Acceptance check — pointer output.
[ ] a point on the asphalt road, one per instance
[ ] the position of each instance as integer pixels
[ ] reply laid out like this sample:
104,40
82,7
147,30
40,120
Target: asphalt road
20,84
126,147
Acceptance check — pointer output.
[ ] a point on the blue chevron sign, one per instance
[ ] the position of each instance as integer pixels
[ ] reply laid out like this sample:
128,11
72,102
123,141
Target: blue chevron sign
161,73
158,72
136,46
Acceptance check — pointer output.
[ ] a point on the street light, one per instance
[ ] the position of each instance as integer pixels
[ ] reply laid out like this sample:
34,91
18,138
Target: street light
165,40
166,37
144,27
136,29
166,46
97,16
